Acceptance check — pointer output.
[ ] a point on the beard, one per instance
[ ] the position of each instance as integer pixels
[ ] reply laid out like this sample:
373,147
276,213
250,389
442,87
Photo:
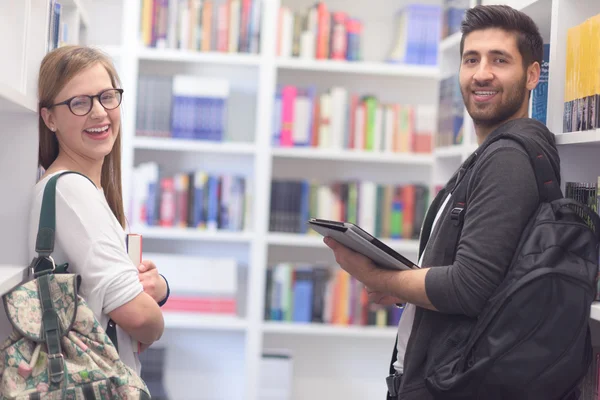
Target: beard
492,114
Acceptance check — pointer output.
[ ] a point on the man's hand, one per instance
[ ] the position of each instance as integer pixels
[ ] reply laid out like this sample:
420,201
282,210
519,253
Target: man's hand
358,266
153,283
387,285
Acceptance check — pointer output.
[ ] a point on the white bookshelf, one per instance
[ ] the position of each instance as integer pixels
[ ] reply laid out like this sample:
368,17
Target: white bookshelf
193,234
363,68
352,156
191,321
585,138
259,74
323,330
185,56
314,241
193,146
24,24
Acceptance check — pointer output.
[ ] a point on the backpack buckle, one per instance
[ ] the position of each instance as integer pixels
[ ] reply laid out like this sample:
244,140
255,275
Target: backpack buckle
56,367
457,215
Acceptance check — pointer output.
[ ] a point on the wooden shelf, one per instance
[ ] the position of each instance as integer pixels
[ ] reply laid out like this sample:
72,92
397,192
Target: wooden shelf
186,56
184,145
316,241
313,153
181,320
317,329
360,67
192,234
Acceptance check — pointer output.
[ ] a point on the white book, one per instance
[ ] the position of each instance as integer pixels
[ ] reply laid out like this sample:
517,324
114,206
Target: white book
234,25
339,100
366,206
307,45
302,110
325,115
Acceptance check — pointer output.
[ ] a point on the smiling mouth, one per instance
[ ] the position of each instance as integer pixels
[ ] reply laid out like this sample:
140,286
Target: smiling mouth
98,131
484,95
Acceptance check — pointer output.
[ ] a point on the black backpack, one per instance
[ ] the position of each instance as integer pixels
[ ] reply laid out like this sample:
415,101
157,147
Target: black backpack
532,339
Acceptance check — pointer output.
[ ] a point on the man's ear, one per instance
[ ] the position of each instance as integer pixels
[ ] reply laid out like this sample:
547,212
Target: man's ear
533,75
48,118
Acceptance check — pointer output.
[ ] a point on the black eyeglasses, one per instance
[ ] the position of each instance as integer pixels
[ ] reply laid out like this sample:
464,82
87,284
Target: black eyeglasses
82,105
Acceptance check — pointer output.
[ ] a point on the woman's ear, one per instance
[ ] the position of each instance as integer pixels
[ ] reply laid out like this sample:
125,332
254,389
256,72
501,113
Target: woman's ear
48,118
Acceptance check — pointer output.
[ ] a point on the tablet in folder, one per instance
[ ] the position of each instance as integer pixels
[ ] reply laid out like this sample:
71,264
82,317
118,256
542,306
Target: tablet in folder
357,239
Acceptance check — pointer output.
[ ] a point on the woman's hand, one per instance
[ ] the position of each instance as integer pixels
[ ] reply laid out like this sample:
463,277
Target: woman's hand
153,283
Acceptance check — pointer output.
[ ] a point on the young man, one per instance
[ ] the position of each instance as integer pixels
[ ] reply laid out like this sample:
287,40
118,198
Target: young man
501,52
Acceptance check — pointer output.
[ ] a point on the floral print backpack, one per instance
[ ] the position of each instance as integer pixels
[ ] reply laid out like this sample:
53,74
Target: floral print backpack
57,349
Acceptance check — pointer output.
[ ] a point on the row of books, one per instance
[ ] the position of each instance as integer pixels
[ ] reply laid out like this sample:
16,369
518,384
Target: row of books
451,113
341,120
57,28
191,199
228,26
417,35
582,81
307,293
318,33
387,211
182,106
586,193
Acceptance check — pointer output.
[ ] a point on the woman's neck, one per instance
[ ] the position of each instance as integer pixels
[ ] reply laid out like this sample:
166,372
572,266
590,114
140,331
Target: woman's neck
92,170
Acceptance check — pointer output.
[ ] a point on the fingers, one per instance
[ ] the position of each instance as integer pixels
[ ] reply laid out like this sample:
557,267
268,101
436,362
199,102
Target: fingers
147,265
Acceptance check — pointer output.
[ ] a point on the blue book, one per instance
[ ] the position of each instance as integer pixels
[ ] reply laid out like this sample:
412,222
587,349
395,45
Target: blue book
303,294
539,97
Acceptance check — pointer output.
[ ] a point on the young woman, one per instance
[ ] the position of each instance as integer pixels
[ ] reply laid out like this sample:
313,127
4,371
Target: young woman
79,130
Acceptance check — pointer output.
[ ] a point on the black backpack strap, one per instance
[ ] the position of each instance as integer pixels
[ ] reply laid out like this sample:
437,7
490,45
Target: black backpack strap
547,181
44,246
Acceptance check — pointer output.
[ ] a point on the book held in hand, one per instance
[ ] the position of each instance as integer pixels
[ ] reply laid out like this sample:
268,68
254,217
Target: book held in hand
133,242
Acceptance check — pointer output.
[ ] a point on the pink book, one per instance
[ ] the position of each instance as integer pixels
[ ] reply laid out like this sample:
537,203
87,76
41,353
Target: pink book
288,99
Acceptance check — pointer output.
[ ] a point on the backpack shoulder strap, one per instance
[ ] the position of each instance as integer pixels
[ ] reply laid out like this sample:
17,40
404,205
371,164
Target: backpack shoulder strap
547,181
44,244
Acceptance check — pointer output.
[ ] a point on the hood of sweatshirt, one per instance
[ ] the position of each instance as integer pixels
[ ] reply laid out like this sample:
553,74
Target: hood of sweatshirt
538,132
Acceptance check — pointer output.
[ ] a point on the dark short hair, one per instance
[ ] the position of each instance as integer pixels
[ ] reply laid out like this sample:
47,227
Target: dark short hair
529,40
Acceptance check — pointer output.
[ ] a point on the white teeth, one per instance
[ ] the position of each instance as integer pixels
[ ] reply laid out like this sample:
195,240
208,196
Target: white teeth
98,130
485,93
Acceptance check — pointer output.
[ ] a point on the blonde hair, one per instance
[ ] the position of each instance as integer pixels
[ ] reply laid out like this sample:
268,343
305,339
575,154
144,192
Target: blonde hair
59,67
